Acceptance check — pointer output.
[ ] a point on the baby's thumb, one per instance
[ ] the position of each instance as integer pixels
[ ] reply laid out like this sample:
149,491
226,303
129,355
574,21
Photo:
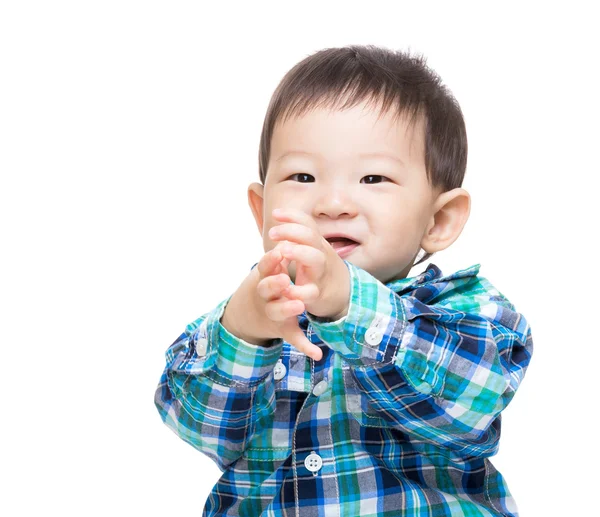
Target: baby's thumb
297,339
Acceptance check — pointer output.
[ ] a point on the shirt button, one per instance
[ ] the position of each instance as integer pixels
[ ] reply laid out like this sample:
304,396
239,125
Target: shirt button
201,346
320,388
313,462
279,371
373,336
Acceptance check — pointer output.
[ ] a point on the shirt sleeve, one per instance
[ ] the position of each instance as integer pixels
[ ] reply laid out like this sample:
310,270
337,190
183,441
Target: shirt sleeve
217,390
438,361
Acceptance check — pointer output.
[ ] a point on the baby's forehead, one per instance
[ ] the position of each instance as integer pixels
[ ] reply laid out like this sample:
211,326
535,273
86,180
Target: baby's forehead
356,134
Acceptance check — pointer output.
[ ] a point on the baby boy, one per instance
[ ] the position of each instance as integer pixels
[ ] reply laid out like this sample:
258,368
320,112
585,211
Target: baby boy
330,382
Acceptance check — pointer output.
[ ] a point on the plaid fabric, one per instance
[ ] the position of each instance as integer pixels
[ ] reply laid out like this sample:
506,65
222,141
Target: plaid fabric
399,417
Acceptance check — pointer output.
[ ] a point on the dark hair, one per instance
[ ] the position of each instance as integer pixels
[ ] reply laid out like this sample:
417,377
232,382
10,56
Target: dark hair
401,82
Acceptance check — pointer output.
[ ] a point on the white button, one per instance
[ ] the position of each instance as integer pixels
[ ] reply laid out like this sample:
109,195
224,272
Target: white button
320,388
279,371
313,462
201,346
373,336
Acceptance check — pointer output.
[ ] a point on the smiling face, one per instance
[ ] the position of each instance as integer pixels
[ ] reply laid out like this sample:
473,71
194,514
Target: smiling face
355,175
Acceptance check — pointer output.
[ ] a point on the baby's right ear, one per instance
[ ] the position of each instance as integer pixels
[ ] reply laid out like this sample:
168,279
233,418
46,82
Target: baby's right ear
256,203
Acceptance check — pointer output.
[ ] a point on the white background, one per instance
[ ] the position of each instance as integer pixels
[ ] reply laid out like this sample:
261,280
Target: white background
129,133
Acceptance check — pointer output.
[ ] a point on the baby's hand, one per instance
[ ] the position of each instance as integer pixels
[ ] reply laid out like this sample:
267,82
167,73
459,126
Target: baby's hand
281,310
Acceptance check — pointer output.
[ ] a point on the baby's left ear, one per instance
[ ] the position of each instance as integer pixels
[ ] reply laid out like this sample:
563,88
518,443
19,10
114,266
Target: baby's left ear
451,211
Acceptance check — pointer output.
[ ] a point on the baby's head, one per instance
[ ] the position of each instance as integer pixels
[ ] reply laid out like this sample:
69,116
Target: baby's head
370,144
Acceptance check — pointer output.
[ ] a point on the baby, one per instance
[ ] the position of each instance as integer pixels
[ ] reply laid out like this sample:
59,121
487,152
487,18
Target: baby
330,382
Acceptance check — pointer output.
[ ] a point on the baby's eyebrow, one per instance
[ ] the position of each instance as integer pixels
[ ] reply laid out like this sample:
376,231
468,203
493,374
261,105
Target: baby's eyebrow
290,153
362,155
382,155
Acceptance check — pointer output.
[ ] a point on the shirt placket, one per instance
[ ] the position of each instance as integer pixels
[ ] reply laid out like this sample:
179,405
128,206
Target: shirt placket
313,461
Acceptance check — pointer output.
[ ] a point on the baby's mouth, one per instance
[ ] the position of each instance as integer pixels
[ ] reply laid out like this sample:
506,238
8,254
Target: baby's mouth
343,246
340,242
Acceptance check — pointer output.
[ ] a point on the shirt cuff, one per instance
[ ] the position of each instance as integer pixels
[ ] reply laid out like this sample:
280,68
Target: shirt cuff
225,358
371,332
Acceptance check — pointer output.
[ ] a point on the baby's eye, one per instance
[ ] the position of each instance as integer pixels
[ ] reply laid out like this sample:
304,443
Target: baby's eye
375,176
300,174
368,182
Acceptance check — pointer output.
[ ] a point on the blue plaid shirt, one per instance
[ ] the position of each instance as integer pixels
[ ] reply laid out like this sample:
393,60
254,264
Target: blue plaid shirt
399,417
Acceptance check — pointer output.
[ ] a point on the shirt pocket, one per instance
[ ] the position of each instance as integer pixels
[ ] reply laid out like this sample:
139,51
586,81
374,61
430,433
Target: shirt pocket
357,403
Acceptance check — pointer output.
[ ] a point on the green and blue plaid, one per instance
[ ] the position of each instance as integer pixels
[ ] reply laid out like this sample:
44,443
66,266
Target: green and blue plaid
403,421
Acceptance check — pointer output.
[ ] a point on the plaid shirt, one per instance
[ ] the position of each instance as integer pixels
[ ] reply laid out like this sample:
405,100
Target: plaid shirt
399,417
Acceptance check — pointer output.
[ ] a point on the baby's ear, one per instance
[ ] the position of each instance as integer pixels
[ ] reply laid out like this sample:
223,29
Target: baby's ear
451,211
256,203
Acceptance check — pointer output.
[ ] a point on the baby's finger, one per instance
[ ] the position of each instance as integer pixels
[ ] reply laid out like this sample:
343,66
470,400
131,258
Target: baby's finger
273,286
269,263
307,255
296,338
282,309
283,261
272,263
307,293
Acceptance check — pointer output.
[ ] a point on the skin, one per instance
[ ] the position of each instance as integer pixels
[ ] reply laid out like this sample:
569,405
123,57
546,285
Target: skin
387,205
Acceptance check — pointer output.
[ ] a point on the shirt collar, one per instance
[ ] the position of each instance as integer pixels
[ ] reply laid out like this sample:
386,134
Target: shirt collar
432,272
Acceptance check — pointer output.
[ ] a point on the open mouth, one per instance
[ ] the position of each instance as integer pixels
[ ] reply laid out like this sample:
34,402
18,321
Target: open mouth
340,242
342,245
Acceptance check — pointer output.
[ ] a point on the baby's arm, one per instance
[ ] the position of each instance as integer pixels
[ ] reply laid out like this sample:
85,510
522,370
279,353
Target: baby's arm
439,362
217,389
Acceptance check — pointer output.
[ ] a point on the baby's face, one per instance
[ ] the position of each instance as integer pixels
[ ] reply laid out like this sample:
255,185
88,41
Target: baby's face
322,165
